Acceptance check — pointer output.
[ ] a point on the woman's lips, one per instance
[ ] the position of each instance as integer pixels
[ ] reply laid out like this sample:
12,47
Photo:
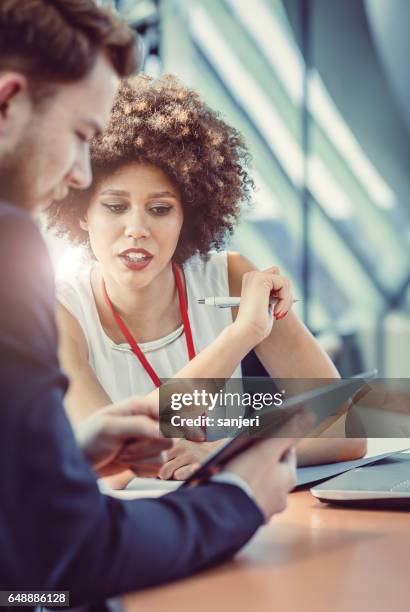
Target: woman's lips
132,262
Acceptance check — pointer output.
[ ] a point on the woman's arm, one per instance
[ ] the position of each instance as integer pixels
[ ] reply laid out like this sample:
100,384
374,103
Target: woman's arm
290,351
85,394
218,360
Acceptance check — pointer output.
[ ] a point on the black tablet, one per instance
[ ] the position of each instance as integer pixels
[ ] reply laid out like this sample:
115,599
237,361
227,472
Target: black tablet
322,403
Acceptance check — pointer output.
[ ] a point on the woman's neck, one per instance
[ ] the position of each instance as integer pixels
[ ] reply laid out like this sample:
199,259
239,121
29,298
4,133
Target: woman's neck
149,313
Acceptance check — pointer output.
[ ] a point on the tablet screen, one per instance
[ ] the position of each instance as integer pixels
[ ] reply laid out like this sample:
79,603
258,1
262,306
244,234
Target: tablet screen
321,403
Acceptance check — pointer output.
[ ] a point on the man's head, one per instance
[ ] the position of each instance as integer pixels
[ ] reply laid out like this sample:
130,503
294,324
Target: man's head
59,67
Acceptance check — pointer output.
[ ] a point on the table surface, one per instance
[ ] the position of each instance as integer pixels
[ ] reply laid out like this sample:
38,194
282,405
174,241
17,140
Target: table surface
311,558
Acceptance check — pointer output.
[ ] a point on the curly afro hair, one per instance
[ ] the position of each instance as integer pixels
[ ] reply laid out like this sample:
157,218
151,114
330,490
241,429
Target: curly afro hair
163,123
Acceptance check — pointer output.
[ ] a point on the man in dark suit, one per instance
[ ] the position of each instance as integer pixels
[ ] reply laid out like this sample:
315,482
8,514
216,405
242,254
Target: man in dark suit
59,66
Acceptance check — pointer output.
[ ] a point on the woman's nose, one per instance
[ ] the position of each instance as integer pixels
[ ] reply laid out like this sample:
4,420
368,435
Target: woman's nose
137,227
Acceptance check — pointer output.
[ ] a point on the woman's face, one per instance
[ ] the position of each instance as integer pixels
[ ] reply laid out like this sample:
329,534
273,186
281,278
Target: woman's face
133,221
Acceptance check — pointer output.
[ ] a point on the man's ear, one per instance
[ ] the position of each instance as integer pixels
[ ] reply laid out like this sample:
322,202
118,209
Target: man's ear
11,85
84,223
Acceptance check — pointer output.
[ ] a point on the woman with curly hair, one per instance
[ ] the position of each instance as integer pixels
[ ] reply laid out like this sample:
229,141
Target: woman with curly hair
170,177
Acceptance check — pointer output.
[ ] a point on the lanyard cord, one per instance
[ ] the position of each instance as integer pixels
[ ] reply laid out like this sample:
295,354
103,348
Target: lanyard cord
130,338
184,312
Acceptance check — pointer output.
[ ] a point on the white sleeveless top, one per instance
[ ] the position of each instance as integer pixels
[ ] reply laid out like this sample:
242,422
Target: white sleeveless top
115,365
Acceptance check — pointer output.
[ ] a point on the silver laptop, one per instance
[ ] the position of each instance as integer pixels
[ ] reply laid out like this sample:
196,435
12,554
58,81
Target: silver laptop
385,483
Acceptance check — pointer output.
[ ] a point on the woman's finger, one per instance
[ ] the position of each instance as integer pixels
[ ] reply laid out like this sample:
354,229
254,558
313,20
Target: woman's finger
273,270
283,294
167,470
184,472
180,446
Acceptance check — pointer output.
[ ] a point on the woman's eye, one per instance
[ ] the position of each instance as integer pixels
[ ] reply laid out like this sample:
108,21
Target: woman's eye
115,208
160,209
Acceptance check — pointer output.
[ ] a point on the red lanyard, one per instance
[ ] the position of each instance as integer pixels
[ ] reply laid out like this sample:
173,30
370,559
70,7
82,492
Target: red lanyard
130,338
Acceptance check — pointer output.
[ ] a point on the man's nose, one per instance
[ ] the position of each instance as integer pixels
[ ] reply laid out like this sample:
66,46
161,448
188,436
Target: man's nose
80,176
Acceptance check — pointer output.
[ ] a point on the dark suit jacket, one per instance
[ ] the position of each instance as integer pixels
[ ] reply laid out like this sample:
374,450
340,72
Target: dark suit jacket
56,530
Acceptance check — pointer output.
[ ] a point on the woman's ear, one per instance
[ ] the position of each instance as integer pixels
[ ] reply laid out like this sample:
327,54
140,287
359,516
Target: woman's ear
84,224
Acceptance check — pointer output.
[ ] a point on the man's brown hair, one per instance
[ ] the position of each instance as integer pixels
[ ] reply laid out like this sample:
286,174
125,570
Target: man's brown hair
57,41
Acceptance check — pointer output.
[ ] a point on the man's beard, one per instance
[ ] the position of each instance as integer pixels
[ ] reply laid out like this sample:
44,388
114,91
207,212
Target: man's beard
16,187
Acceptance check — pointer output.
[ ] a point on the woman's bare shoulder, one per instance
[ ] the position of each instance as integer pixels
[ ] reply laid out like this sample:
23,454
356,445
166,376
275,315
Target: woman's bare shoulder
69,328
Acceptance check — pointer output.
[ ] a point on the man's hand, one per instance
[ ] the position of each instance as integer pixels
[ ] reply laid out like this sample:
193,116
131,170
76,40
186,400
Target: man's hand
122,436
269,467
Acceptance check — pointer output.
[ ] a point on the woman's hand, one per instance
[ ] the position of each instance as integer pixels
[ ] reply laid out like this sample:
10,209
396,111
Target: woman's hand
255,315
122,436
184,458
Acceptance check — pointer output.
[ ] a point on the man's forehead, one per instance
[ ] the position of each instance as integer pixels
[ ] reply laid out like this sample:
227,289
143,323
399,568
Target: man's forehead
92,97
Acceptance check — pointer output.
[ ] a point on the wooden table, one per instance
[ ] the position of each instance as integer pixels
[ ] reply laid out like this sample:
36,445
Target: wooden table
312,558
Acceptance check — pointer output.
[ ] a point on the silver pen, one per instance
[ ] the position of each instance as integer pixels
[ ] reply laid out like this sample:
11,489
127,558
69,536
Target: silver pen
229,302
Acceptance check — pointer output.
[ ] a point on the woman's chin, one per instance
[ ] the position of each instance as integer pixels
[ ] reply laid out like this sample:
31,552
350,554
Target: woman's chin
136,280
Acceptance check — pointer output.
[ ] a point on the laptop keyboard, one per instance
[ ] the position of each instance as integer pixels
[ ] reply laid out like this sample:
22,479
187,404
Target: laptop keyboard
401,486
